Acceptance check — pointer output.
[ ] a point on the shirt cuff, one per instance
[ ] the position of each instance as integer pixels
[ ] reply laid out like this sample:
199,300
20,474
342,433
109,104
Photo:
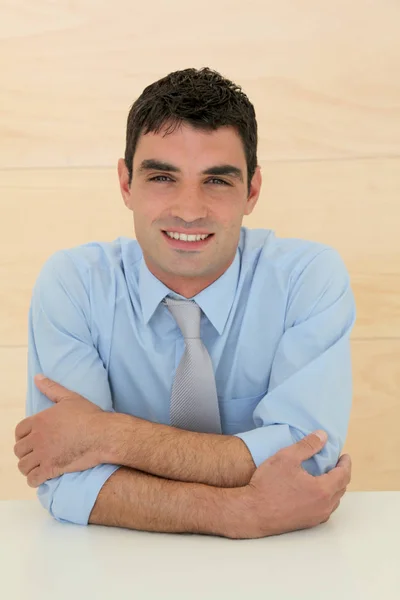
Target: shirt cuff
264,442
71,497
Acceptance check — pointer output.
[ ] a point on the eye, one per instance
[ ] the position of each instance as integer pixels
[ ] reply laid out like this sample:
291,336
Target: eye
160,178
219,181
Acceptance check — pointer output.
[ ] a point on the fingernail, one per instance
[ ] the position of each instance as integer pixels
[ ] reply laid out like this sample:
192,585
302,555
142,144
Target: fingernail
321,434
40,376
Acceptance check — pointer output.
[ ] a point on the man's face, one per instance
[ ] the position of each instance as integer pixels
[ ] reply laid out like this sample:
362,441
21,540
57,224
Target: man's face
191,182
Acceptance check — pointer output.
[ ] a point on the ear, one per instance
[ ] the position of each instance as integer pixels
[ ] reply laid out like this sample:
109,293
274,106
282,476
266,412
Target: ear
255,188
123,176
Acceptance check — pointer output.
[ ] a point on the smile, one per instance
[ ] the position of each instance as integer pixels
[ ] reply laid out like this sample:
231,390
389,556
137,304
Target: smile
189,242
196,237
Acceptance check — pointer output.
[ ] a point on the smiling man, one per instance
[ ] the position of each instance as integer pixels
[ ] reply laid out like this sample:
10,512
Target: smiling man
198,378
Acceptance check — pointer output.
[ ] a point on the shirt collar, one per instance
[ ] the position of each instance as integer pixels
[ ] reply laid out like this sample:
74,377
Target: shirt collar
215,301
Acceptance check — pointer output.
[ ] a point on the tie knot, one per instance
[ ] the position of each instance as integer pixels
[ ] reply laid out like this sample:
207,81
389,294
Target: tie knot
187,315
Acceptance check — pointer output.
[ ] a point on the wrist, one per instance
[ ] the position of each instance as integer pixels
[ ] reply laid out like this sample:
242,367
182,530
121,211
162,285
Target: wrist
250,520
235,516
113,431
218,511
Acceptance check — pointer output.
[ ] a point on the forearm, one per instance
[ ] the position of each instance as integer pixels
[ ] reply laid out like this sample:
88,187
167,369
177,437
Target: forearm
216,460
137,500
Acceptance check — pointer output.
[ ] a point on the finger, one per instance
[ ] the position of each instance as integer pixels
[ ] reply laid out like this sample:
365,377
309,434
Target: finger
23,447
23,428
345,464
307,447
344,461
29,462
340,476
35,478
335,507
339,495
51,389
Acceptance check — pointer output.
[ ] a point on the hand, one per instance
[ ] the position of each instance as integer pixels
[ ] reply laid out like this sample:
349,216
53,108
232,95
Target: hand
281,496
61,439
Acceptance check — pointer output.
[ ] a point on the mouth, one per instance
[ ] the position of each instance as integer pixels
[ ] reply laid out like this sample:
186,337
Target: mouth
188,242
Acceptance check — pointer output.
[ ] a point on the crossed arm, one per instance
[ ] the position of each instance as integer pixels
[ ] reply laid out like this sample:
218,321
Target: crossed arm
281,496
76,435
175,481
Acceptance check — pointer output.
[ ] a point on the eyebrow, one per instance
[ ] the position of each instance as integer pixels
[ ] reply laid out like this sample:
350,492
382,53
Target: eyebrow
152,164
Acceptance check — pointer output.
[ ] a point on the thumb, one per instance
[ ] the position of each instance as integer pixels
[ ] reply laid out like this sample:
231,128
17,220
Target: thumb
52,390
309,445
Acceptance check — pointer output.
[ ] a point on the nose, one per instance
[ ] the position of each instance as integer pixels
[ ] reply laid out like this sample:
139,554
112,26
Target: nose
189,205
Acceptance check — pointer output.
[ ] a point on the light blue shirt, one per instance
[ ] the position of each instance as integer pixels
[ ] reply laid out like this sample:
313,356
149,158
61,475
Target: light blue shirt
276,325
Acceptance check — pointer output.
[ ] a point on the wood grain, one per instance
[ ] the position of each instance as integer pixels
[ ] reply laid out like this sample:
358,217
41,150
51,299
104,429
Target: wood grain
323,77
373,439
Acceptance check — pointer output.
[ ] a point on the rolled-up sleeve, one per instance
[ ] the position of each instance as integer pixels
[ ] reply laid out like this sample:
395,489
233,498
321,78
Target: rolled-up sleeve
310,384
60,346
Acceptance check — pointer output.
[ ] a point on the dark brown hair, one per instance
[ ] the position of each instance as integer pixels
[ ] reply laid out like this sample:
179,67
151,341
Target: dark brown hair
200,97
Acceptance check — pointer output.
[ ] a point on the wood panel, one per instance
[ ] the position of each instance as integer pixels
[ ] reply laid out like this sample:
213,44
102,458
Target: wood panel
373,439
351,205
323,76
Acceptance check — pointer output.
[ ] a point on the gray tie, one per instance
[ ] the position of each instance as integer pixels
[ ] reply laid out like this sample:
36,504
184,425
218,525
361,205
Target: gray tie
194,400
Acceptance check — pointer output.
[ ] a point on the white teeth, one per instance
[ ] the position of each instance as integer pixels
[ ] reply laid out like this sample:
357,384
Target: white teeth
186,238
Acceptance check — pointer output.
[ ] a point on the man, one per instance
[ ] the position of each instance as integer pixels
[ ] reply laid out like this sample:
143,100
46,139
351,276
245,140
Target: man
183,374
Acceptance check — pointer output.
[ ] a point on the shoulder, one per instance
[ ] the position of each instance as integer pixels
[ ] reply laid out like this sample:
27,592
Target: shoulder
91,258
291,258
308,277
75,272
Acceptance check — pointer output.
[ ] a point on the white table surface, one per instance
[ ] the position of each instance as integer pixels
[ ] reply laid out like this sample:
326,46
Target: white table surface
356,555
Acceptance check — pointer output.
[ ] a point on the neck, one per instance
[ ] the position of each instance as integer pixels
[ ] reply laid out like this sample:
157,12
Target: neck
186,286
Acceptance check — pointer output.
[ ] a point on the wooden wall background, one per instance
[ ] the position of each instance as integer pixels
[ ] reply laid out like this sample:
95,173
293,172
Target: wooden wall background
325,81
